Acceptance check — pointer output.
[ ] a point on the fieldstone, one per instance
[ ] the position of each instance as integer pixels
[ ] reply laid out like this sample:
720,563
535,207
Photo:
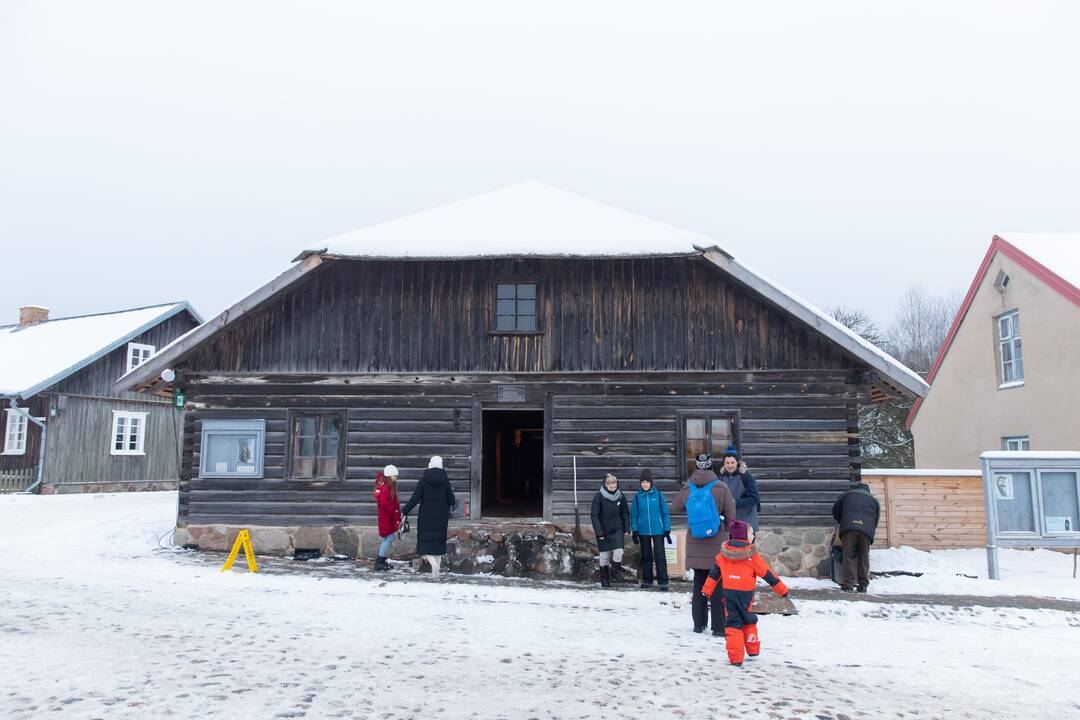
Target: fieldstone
209,537
791,561
345,541
770,543
270,541
814,536
311,538
497,537
182,537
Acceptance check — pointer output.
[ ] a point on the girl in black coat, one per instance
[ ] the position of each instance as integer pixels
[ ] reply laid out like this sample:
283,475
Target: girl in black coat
435,496
611,522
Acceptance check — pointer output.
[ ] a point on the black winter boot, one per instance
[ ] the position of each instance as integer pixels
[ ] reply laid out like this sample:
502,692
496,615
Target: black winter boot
616,573
381,564
605,576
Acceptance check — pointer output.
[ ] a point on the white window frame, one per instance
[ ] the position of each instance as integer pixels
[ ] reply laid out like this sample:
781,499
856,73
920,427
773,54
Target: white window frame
1016,443
121,424
137,354
16,428
1009,342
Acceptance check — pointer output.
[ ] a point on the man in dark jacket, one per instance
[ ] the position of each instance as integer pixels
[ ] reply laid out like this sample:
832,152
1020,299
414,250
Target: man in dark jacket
857,512
435,496
611,521
743,486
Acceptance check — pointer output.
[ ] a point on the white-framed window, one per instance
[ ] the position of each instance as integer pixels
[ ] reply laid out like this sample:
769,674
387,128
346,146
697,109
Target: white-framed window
137,354
1010,349
128,433
15,433
1016,443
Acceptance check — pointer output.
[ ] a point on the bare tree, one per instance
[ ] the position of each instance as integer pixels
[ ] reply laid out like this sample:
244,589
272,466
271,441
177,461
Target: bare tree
919,329
884,441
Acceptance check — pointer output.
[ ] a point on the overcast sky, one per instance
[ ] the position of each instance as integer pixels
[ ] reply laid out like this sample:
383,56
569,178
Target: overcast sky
156,151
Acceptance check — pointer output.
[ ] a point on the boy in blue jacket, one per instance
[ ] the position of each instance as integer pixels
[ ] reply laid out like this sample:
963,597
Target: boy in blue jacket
650,524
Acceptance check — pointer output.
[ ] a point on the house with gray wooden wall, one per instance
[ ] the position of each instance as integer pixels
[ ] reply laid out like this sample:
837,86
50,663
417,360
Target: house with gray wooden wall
66,428
518,334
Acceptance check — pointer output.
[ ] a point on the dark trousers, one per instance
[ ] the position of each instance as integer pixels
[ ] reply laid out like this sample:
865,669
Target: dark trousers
701,607
652,549
856,560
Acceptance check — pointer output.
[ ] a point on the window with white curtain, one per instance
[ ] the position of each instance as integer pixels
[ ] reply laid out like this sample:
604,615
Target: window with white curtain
15,433
1010,349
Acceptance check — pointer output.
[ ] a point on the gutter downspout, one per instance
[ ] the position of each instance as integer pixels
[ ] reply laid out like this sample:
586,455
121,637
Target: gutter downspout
40,422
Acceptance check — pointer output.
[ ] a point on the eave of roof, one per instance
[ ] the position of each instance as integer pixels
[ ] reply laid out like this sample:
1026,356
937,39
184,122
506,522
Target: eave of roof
1040,271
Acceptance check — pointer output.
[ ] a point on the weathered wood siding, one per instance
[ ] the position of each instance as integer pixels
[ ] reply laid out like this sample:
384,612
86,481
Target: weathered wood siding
38,407
97,378
929,512
80,438
671,314
795,429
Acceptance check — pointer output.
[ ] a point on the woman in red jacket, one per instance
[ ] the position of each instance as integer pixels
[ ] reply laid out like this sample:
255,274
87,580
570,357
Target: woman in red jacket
386,499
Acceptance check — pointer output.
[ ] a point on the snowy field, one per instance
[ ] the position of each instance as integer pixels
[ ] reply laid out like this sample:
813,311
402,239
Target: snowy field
97,621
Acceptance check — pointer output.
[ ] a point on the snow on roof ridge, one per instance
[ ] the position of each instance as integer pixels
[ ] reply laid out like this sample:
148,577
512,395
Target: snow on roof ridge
530,218
98,314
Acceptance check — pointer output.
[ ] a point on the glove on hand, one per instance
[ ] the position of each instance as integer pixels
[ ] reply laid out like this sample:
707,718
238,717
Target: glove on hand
667,536
637,538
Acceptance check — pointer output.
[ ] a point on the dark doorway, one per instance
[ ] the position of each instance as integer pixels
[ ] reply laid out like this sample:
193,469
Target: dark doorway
513,474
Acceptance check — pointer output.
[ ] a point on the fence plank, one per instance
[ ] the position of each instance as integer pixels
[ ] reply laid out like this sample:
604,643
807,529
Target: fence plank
930,512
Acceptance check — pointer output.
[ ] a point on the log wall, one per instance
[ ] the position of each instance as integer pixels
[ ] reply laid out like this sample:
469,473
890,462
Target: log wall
796,430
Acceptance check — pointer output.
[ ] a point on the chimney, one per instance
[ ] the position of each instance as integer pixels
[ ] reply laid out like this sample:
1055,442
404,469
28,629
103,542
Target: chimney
30,314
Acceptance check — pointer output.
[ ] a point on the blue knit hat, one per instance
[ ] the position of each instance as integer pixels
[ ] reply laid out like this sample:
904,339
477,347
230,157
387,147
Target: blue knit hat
731,452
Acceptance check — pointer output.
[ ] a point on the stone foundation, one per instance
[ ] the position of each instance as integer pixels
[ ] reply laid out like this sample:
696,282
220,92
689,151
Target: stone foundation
108,487
537,550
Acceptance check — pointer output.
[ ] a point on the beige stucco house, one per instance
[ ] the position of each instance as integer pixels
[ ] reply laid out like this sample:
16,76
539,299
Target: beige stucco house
1008,374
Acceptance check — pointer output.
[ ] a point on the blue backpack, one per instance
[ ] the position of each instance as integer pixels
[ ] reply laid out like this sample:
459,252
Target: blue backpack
701,513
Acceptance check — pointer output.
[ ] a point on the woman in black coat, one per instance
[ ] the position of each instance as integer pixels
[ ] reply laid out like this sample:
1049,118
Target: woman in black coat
610,521
435,496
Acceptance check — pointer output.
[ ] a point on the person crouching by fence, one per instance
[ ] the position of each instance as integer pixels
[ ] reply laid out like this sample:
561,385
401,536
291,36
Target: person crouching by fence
735,574
611,522
650,524
389,508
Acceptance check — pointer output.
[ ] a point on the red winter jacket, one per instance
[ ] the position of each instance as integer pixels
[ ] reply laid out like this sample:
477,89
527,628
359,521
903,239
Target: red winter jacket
389,507
738,566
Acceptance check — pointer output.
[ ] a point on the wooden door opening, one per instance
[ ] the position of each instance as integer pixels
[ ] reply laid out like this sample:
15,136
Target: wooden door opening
512,484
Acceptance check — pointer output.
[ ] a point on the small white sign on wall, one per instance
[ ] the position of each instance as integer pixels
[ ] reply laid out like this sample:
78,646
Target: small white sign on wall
1003,487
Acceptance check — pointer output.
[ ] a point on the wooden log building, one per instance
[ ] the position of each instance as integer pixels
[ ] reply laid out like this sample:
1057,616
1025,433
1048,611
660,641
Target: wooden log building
65,427
513,333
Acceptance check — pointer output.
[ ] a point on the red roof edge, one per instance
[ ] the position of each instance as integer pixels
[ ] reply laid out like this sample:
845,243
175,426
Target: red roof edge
997,244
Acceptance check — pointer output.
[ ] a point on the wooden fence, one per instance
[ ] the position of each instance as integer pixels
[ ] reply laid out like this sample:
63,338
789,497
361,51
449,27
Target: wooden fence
16,480
929,509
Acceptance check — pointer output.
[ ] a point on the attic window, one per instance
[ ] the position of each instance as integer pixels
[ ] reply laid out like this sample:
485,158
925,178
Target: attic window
15,433
137,354
515,308
1002,282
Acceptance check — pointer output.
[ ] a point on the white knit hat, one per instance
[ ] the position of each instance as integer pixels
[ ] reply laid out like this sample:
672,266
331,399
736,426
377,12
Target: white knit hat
436,462
390,471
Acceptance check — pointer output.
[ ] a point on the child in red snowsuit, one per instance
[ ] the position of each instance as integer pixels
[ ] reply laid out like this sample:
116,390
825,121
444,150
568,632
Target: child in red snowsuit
738,566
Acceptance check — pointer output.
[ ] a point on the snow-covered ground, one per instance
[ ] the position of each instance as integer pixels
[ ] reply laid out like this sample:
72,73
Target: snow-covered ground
97,621
1041,573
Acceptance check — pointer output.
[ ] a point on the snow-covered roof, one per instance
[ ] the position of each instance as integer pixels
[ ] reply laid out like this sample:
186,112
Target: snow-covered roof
1058,252
527,219
1031,455
35,356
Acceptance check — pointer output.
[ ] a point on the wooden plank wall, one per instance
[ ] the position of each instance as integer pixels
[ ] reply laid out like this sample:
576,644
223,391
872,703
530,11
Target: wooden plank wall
38,406
80,437
666,314
929,512
795,430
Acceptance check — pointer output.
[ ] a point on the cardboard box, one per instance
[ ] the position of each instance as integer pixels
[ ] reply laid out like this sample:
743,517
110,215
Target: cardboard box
676,554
